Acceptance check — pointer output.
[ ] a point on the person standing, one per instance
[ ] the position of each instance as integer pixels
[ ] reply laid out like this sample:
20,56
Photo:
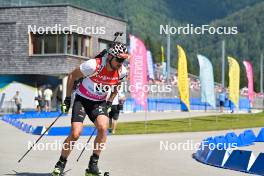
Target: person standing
117,105
222,99
47,97
18,102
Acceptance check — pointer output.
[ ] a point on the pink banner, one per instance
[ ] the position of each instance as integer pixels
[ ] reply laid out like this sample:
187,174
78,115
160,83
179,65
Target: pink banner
249,70
138,71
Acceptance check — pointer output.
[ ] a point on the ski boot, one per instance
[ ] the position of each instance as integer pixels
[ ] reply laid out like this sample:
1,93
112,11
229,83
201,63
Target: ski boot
93,169
59,168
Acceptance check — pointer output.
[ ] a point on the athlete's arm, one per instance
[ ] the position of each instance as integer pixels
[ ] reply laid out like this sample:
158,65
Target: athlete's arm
123,76
73,76
87,68
113,94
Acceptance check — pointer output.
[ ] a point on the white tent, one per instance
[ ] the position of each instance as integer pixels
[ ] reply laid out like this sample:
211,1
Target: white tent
26,92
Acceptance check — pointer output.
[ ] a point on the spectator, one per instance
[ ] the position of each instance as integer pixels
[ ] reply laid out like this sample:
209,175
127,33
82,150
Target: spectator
18,102
41,102
222,99
47,98
117,105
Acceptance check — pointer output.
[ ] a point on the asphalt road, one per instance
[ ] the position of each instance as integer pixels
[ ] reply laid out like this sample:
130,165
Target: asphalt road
125,155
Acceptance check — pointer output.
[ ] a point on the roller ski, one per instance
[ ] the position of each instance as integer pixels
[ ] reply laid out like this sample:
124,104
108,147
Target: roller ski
59,168
89,173
93,169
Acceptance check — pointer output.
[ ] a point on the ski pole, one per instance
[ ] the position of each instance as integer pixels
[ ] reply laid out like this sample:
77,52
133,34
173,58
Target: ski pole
40,137
102,53
86,144
116,35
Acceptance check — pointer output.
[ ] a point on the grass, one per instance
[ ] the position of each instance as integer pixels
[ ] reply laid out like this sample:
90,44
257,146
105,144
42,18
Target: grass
208,123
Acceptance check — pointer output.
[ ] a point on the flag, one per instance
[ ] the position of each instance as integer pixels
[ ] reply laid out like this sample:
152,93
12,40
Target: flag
138,71
234,81
183,82
249,70
207,80
162,55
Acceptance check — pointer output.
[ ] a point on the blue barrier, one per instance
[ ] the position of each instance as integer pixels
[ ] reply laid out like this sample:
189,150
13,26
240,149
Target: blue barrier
65,131
30,129
27,115
216,157
38,130
205,149
258,166
247,138
24,127
260,137
232,139
238,160
220,141
21,125
17,124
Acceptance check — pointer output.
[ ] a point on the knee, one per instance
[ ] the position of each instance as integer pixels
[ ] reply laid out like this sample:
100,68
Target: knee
75,135
102,128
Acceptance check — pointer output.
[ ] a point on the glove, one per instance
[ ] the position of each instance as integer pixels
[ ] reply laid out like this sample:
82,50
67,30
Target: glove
103,109
66,105
108,106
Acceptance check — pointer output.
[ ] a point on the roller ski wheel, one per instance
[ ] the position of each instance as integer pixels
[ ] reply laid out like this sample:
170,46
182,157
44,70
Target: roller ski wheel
88,173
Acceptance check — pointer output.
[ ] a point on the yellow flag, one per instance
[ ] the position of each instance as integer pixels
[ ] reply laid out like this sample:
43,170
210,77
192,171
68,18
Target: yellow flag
183,82
162,55
234,79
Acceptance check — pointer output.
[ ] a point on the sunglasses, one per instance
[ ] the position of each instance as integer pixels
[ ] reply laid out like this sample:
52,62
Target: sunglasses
119,60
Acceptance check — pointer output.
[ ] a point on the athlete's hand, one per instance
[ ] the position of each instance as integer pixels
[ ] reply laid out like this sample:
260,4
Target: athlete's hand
108,106
66,105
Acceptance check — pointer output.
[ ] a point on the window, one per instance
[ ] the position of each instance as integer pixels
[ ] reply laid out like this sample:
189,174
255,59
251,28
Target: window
36,42
60,43
74,44
69,44
84,46
50,44
103,44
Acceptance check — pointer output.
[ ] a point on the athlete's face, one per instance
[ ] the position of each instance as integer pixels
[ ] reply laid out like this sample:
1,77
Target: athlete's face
116,63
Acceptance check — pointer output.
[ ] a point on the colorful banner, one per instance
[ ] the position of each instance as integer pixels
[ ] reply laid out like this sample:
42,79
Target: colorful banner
138,71
162,55
249,70
150,65
183,82
234,81
207,80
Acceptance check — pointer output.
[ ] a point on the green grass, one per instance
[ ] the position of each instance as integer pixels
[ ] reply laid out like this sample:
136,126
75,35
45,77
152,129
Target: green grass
208,123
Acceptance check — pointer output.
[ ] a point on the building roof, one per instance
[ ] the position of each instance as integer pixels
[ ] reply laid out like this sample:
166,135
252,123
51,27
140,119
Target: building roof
64,5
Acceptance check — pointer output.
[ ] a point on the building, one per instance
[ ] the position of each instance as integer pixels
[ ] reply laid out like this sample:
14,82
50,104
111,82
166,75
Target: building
43,41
